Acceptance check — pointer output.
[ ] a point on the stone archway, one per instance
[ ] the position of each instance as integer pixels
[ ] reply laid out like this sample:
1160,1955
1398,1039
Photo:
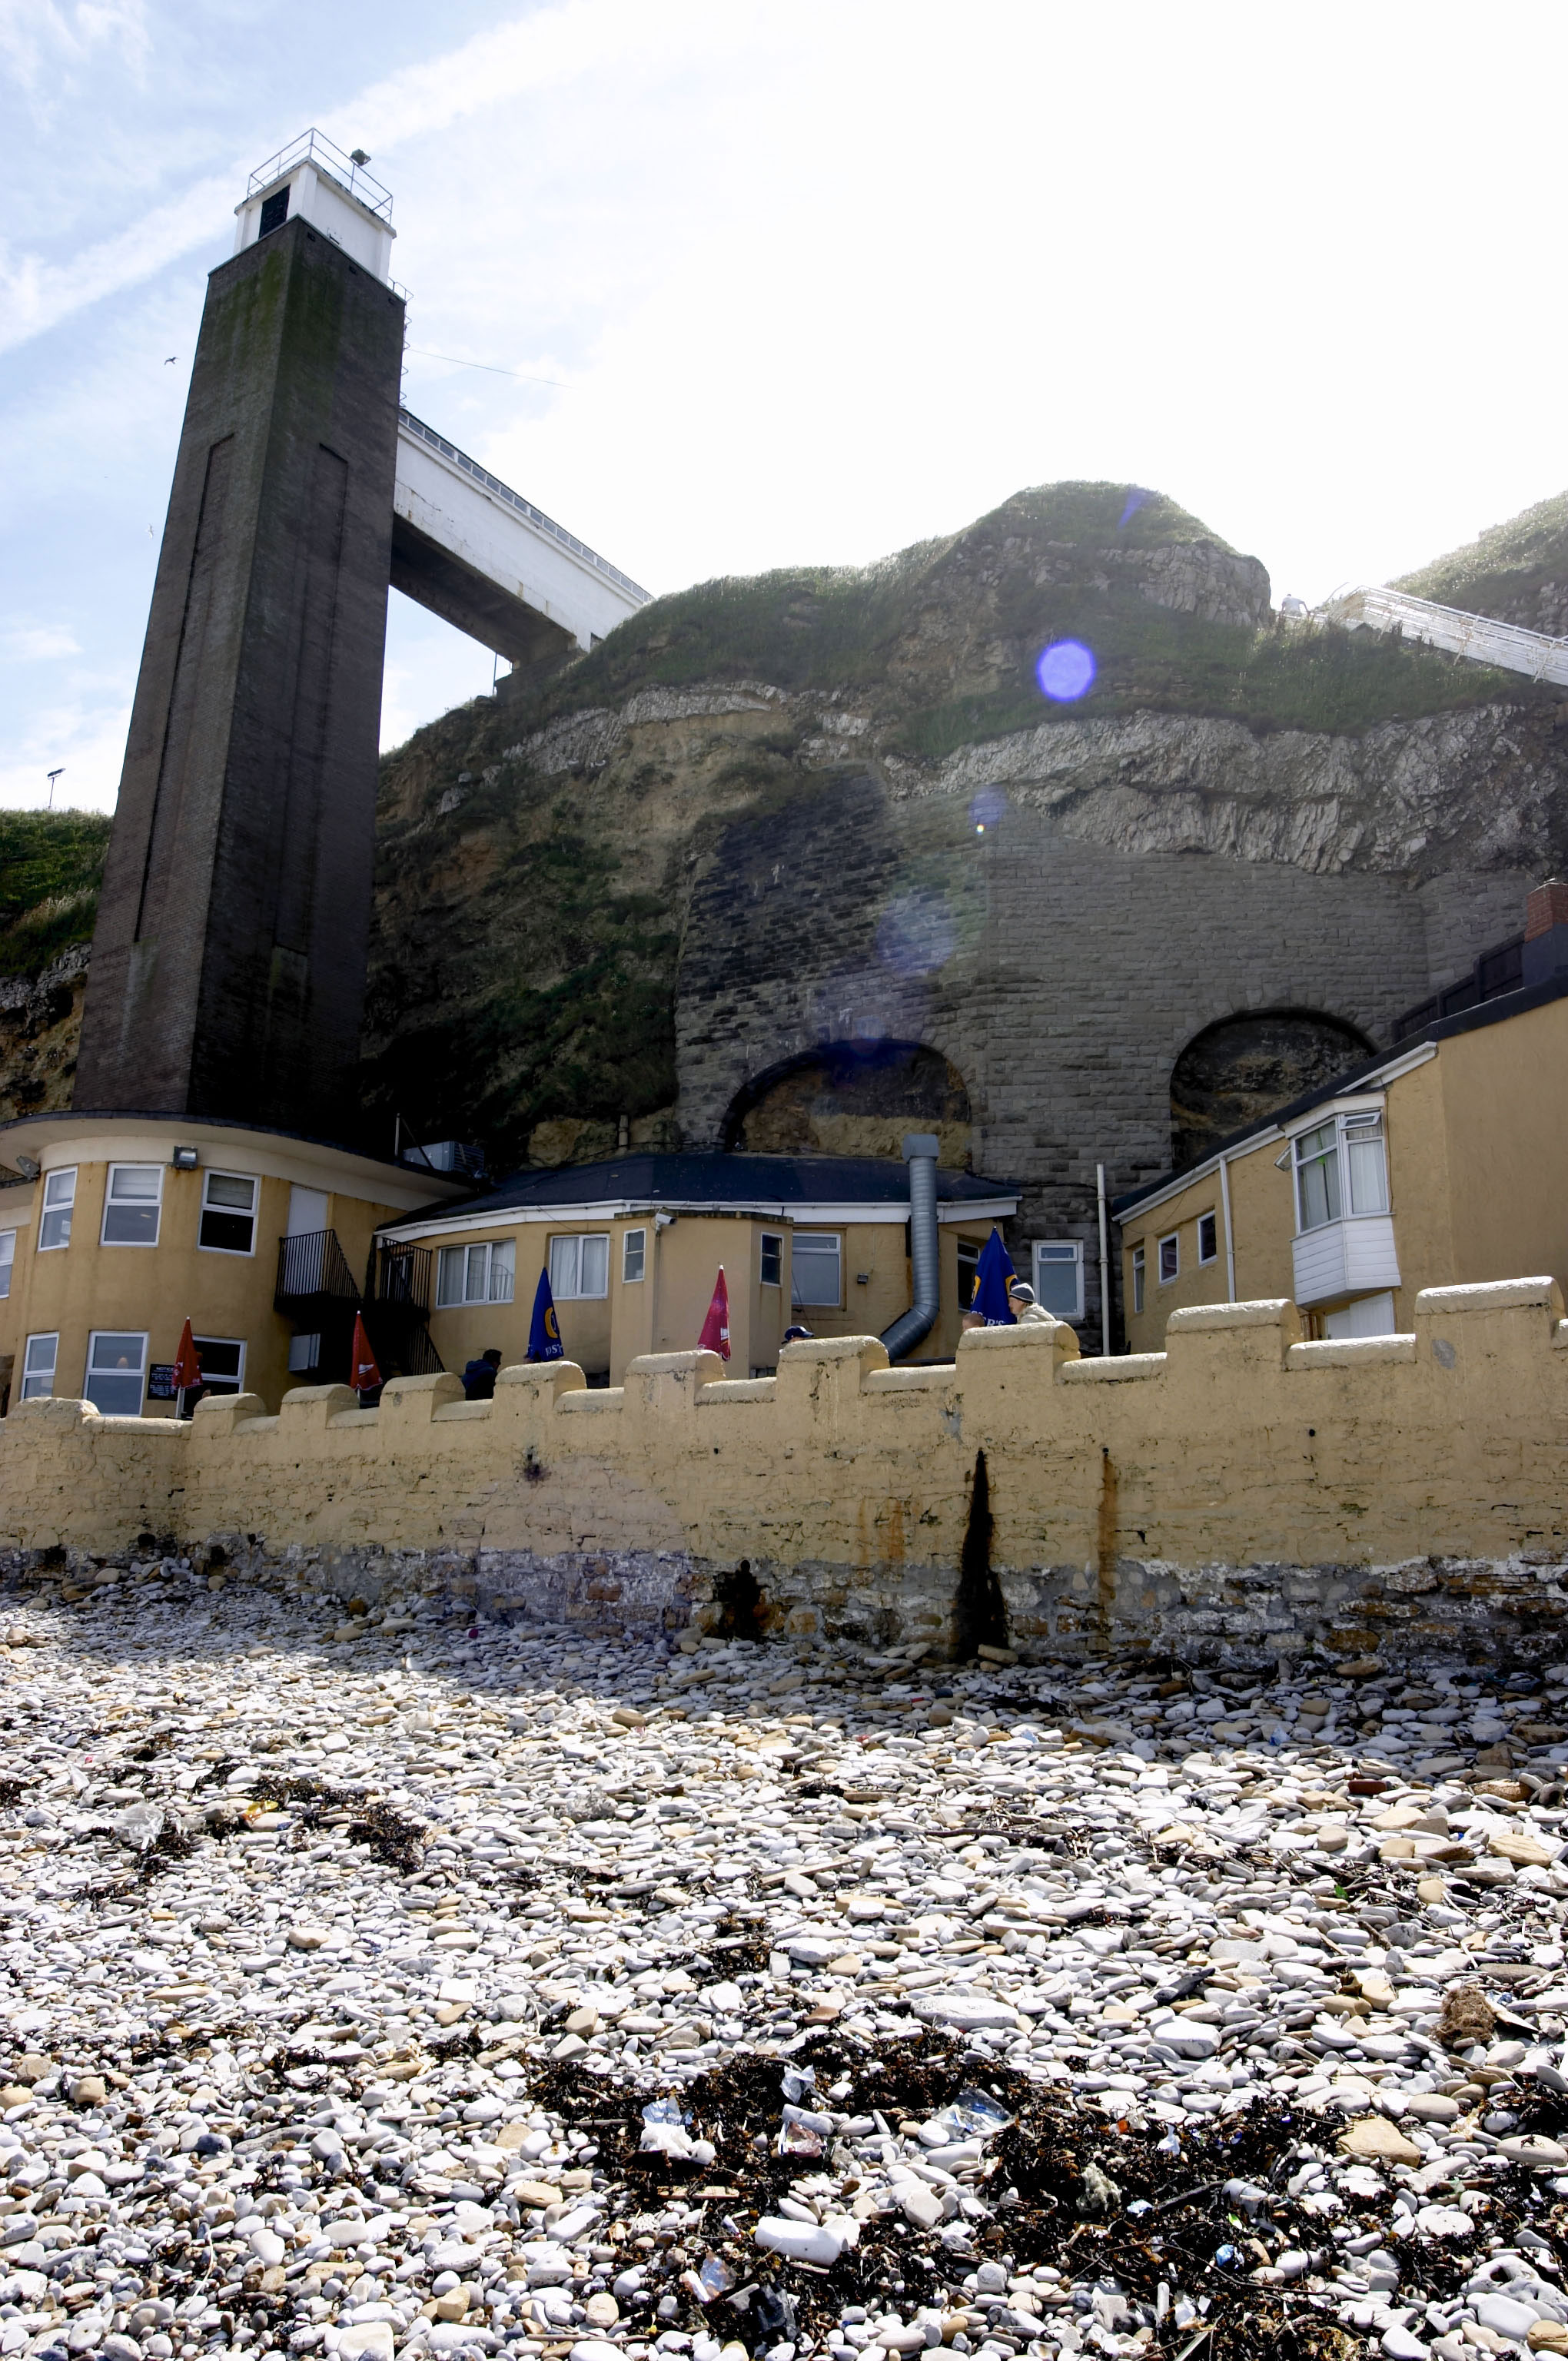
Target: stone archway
853,1098
1244,1068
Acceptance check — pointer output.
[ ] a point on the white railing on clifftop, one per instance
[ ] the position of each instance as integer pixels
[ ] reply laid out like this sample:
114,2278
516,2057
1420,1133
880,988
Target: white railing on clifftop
1479,637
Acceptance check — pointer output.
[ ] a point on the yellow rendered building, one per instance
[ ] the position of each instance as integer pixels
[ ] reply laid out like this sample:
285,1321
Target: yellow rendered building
1438,1166
633,1246
118,1229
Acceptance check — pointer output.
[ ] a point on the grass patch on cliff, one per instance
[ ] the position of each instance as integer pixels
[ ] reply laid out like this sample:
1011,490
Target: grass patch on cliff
553,994
51,866
1332,682
1504,571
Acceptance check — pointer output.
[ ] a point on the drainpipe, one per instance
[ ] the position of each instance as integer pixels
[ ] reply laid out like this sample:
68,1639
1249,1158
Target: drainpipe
920,1150
1229,1240
1104,1260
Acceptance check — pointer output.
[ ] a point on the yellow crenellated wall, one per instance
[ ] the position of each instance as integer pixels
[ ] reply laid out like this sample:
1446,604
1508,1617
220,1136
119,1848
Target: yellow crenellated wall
1238,1445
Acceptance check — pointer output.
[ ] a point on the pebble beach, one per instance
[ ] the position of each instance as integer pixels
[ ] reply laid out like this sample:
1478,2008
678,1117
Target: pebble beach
384,1981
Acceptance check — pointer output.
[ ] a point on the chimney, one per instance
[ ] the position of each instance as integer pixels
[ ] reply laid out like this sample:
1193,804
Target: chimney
1546,932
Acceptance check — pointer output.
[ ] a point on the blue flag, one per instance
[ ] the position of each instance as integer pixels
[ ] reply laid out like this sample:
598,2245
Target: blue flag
992,1275
544,1330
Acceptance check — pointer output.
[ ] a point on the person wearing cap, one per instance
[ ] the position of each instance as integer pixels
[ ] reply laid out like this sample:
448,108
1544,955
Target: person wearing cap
1024,1310
796,1334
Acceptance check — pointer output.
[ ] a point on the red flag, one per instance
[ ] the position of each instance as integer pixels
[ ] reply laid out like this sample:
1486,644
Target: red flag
714,1337
187,1368
362,1373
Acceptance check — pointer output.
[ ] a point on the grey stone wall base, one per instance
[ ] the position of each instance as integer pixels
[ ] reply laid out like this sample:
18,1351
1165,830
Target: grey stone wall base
1513,1610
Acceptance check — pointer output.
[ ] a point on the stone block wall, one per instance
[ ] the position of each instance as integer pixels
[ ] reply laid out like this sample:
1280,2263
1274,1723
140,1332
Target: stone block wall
1242,1493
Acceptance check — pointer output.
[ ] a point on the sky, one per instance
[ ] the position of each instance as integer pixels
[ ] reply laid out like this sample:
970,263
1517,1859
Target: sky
753,285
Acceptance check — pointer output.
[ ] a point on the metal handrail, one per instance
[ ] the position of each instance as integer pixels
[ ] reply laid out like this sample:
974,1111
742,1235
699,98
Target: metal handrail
403,1275
305,150
314,1264
1481,638
515,499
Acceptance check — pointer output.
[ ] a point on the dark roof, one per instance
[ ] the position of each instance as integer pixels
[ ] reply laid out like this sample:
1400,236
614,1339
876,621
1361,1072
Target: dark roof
717,1180
1469,1020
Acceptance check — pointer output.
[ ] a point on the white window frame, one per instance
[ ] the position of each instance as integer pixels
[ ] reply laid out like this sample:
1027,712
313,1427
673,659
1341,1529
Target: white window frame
8,1261
233,1213
58,1197
32,1388
1172,1239
93,1337
1140,1267
1353,1129
1212,1218
1056,1255
568,1288
966,1256
628,1277
812,1240
225,1385
773,1238
109,1199
496,1262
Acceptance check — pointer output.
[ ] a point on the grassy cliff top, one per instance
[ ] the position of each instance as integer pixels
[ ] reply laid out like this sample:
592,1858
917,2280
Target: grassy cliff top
51,864
1504,567
939,641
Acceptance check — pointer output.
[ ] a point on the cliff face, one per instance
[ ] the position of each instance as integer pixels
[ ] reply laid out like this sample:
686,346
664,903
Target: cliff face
767,812
805,858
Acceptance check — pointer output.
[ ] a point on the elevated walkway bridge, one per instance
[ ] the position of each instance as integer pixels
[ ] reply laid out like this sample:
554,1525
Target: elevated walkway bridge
477,553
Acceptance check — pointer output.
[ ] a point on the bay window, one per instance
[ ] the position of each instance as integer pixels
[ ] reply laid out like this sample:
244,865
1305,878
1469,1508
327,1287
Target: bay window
1341,1168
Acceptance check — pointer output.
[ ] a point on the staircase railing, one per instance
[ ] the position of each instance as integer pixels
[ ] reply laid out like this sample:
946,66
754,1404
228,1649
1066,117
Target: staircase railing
1479,637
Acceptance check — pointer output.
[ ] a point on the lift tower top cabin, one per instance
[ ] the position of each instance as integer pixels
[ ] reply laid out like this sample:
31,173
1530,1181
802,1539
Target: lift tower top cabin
228,965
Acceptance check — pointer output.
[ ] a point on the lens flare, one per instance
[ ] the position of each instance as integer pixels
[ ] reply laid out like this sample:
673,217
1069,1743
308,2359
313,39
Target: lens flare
1136,501
916,934
1064,671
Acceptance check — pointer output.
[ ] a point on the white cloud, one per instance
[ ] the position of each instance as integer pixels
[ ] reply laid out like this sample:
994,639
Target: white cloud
39,644
37,294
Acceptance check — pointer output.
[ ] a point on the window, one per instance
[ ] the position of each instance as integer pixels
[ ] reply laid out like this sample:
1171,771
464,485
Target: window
304,1354
1137,1278
274,213
8,1258
1169,1257
1208,1238
1317,1177
475,1274
814,1261
633,1256
228,1213
131,1205
969,1271
1341,1168
1059,1276
770,1265
579,1267
116,1372
59,1196
37,1365
222,1364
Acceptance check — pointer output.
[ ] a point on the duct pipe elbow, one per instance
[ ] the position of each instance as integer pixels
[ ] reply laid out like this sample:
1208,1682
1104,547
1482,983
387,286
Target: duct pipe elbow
912,1327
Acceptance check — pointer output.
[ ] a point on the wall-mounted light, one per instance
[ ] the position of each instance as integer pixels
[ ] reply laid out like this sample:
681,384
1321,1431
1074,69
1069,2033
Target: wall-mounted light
27,1166
186,1159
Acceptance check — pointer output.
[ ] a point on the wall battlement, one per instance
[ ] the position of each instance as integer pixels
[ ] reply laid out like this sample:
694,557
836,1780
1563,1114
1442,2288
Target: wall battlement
850,1487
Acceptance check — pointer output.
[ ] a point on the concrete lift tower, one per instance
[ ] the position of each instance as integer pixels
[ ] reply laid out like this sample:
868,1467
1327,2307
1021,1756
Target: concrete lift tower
228,965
